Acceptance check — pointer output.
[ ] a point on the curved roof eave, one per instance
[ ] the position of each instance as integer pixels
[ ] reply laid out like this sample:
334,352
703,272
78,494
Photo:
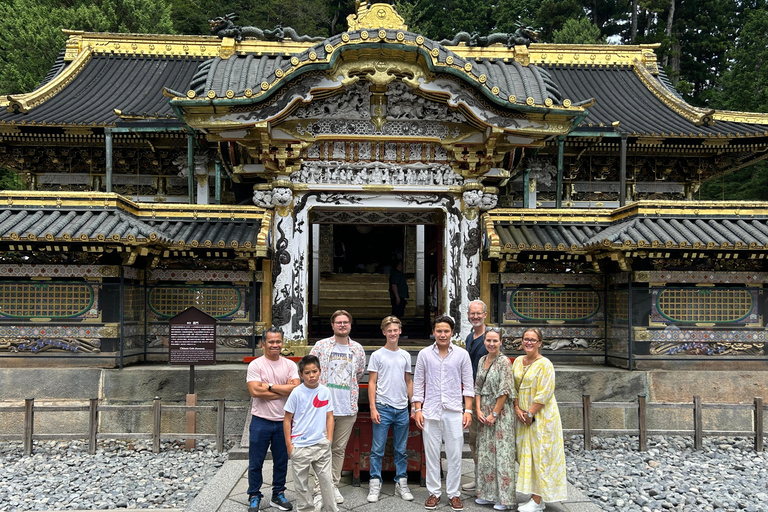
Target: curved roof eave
324,56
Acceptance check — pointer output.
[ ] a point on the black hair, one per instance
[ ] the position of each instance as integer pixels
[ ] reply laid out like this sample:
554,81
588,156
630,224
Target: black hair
444,319
310,359
272,329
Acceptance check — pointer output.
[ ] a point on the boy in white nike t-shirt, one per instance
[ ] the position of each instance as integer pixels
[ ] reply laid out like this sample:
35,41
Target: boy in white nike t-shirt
308,427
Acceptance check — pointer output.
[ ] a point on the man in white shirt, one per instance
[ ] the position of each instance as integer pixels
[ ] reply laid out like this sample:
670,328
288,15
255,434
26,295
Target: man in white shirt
390,389
343,362
443,391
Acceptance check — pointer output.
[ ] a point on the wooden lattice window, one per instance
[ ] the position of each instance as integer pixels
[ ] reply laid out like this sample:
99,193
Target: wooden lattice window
47,300
705,305
564,304
219,301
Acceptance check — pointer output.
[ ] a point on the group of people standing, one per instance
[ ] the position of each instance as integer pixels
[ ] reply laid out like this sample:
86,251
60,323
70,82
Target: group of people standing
509,408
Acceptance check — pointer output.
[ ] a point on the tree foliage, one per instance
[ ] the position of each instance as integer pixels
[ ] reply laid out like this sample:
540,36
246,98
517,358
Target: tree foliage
581,31
31,31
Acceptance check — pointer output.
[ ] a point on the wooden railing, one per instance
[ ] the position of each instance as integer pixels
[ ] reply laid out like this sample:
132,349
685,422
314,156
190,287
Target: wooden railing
643,432
586,405
94,408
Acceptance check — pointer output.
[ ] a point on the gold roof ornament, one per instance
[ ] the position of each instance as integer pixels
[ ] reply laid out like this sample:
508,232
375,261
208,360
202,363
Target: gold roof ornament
374,16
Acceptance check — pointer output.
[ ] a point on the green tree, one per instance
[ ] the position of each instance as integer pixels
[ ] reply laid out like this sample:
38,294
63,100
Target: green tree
31,36
10,180
552,15
744,86
580,31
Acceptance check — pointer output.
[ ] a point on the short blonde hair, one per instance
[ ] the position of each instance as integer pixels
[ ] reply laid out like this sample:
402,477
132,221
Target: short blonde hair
340,312
390,320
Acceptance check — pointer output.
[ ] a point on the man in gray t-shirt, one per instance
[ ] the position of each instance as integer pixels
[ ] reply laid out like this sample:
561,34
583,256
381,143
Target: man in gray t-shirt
390,388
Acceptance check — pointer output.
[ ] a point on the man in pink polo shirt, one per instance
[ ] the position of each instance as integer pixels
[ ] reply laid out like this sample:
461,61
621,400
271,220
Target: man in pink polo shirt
271,378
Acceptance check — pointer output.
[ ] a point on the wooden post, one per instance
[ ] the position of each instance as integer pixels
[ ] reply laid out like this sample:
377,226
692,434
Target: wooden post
156,425
697,424
356,451
29,424
93,425
190,444
220,426
587,426
641,423
758,424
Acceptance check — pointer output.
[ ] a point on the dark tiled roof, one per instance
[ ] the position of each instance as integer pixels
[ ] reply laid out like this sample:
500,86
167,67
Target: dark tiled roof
90,225
210,234
622,96
132,84
733,233
637,232
74,225
547,237
242,72
57,68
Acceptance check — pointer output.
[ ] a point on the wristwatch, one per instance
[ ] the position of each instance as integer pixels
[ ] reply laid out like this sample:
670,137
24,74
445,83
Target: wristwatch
494,414
270,386
528,413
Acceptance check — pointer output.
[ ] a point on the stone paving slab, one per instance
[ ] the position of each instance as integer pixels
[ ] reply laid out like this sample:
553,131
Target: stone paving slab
228,492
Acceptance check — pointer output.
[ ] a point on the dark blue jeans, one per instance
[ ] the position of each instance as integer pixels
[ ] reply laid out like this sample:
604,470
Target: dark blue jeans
263,435
397,419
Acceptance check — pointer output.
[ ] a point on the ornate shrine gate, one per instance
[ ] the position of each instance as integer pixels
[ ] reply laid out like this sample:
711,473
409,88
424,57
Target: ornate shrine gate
376,118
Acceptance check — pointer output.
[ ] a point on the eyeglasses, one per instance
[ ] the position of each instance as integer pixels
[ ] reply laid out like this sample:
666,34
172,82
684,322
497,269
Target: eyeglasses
531,340
341,323
493,329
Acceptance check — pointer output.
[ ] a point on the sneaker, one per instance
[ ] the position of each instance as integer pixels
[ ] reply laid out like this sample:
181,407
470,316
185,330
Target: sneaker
456,504
279,502
481,501
499,506
527,506
253,505
532,506
337,495
469,487
374,489
432,502
401,488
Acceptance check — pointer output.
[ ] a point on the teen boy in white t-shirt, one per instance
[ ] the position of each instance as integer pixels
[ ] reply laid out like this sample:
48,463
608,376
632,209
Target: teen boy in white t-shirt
308,427
390,389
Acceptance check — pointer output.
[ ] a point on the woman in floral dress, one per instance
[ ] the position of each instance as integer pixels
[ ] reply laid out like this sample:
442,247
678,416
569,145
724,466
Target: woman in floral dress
539,430
494,391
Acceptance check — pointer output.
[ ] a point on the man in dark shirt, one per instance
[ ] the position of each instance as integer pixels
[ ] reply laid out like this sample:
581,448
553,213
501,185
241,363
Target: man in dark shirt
398,291
475,344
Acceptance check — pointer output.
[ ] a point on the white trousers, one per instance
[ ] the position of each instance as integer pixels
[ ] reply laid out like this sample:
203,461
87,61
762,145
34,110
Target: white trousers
448,430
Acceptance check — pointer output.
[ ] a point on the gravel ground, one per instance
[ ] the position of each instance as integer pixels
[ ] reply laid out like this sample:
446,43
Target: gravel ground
60,475
727,475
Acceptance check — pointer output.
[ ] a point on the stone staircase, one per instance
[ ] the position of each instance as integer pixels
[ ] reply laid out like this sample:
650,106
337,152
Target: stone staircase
365,296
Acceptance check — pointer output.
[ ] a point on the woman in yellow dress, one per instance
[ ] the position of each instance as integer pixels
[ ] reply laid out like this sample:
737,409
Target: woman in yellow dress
539,436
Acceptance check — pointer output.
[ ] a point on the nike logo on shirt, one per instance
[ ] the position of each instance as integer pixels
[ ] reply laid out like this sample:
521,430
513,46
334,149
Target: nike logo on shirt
319,403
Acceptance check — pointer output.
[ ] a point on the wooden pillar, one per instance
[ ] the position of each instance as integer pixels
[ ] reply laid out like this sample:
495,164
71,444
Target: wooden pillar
191,168
623,171
560,150
108,167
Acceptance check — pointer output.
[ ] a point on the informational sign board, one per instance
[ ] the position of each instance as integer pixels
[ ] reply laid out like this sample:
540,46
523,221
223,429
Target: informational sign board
193,338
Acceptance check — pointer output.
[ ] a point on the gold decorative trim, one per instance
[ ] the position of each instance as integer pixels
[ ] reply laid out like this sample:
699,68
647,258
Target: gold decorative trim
374,17
697,116
25,102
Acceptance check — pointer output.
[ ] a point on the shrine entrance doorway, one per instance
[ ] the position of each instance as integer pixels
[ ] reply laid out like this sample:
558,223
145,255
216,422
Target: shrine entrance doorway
354,253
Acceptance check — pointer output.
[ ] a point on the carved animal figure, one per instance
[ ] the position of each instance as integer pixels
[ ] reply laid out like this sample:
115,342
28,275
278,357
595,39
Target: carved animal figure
524,35
224,26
